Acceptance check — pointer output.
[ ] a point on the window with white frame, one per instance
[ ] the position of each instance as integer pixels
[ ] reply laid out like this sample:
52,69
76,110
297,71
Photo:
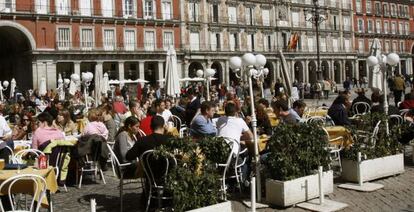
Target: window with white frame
370,26
368,6
310,44
386,27
406,13
361,46
213,41
149,41
168,40
232,15
393,27
62,7
370,43
129,8
86,39
249,42
402,46
64,38
193,8
267,42
323,44
109,39
394,46
360,25
215,9
167,10
393,10
195,41
387,46
407,28
295,19
85,7
149,9
335,44
400,10
252,42
42,6
347,44
385,9
266,17
129,40
233,41
401,29
347,23
107,8
335,22
378,26
7,6
358,6
377,8
249,16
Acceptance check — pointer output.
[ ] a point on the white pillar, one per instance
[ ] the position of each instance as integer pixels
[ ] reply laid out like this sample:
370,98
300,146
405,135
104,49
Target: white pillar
306,76
292,71
76,67
179,69
121,70
356,71
141,69
51,75
186,67
226,73
35,75
160,72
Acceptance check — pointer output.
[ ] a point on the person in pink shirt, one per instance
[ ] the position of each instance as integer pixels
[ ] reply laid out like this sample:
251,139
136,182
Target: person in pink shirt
45,131
96,125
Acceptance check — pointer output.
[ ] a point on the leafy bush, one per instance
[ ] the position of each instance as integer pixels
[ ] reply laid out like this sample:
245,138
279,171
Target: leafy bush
195,181
385,144
296,151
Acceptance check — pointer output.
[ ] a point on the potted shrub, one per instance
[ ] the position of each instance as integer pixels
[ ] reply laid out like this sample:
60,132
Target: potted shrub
195,182
295,153
384,159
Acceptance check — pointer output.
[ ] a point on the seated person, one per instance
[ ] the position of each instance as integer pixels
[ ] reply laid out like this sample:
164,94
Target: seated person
360,98
338,111
96,125
64,123
378,105
45,131
293,115
408,102
202,124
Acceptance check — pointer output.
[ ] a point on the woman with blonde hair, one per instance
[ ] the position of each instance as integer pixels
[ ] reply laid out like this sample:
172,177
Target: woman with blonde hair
64,123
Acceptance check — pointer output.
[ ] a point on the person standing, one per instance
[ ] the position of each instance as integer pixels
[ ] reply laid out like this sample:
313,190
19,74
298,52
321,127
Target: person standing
399,88
326,88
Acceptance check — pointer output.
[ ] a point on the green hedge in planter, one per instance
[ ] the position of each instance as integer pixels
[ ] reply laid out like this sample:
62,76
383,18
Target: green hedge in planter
195,182
296,151
386,145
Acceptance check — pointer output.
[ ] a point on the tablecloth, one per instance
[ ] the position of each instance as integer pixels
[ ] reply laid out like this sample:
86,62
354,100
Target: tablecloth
336,131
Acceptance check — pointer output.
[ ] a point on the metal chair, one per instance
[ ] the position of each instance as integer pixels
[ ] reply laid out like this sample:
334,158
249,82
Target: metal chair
17,158
361,108
396,119
119,170
156,188
39,190
141,133
91,166
316,120
232,144
181,127
335,149
404,112
370,137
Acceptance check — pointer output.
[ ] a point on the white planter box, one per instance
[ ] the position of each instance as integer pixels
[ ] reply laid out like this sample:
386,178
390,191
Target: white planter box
222,207
373,169
286,193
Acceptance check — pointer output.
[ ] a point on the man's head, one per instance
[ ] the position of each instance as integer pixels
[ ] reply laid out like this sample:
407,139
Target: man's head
208,109
230,109
58,105
299,106
263,102
159,105
134,107
157,124
45,119
168,104
283,108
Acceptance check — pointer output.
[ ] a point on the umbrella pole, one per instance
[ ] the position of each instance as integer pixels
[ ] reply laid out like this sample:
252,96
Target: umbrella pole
386,103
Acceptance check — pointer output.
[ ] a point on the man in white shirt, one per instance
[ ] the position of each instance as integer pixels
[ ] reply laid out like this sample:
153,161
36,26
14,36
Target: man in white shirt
161,111
231,126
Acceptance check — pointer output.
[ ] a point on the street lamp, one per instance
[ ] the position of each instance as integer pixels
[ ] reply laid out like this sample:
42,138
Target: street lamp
314,16
391,59
86,80
208,73
251,66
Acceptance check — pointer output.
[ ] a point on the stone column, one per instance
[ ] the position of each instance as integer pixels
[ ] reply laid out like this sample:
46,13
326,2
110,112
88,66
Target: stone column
305,68
121,70
186,66
35,75
356,71
76,67
226,73
51,75
179,69
141,69
409,65
292,71
332,70
160,73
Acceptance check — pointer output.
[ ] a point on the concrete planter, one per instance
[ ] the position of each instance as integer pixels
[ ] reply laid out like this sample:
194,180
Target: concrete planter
286,193
373,169
222,207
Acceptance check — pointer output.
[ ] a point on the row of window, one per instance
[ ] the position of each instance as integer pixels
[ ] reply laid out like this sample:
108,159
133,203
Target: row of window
333,22
86,8
403,27
109,41
384,9
331,3
395,47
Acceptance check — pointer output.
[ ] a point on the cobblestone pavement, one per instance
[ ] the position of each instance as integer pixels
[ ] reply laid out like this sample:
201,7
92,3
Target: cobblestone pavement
397,195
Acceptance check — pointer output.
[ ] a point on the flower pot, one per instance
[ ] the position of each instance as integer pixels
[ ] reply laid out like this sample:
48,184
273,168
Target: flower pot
222,207
373,169
286,193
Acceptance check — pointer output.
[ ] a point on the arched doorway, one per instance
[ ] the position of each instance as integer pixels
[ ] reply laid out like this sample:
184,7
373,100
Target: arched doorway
192,69
362,68
270,75
298,71
312,72
337,71
325,69
16,54
218,75
348,69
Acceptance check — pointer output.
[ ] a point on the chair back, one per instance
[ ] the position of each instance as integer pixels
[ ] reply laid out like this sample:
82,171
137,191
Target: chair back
155,177
115,162
361,108
316,120
375,133
404,112
232,144
176,121
18,156
141,133
39,190
396,119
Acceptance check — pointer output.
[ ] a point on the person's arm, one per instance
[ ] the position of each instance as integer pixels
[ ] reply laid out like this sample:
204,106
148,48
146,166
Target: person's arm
135,152
122,140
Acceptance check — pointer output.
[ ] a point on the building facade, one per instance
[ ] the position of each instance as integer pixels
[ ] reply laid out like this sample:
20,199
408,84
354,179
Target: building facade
392,23
127,39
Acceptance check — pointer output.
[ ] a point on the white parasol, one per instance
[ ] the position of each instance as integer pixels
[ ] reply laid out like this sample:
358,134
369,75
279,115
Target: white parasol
42,87
74,81
12,87
61,89
376,81
172,81
285,74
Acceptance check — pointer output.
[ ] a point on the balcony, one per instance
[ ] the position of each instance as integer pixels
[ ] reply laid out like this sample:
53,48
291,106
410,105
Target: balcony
99,46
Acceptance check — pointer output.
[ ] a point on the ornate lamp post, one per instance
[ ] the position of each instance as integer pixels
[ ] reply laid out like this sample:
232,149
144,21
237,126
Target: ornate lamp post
86,81
315,17
208,73
251,66
391,59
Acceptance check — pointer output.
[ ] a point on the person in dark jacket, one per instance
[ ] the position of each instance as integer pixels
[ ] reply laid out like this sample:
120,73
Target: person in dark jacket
192,107
360,98
338,111
378,105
